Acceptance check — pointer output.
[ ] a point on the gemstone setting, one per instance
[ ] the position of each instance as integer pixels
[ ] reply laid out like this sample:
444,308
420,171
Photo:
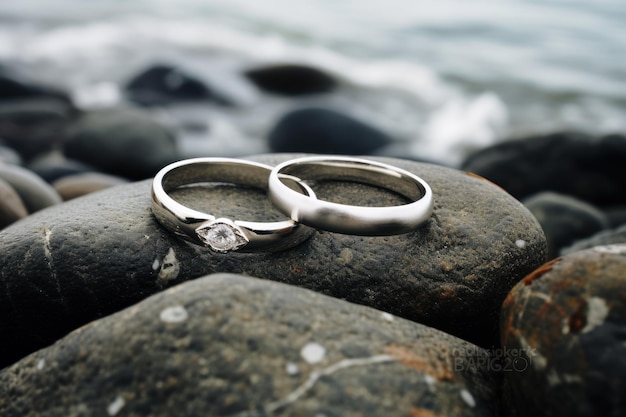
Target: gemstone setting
221,235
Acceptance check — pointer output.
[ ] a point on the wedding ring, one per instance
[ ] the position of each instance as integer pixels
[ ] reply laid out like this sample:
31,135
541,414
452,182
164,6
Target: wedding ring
348,219
222,234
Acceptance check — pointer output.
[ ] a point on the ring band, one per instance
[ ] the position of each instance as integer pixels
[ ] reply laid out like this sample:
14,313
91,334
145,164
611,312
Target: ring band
357,220
222,234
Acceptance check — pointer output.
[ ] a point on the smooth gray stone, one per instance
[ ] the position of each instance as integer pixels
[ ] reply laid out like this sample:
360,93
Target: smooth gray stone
100,253
606,237
34,191
12,207
229,345
73,186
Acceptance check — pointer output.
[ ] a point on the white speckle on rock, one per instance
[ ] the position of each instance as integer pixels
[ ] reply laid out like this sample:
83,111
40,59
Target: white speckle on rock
387,316
597,310
174,314
156,264
116,406
615,249
430,380
468,398
313,352
292,369
40,364
170,267
520,243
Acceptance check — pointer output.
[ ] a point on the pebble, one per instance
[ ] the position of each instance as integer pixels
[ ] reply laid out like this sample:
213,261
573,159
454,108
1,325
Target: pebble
325,131
574,164
121,141
73,186
567,320
606,237
103,252
565,219
252,347
33,191
11,205
291,79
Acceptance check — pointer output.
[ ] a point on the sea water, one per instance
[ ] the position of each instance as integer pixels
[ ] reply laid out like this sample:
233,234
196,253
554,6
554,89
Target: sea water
442,77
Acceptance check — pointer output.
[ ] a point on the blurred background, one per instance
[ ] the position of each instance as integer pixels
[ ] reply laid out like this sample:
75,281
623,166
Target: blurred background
440,78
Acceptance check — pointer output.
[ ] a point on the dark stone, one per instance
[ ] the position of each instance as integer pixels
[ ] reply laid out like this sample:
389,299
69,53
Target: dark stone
588,168
100,253
11,205
34,191
616,216
15,85
166,84
567,322
565,219
35,125
125,142
54,166
9,156
291,80
325,131
607,237
73,186
239,346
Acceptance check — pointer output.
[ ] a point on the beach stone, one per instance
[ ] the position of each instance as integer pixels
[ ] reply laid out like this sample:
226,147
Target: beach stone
54,165
165,84
585,167
14,84
32,126
11,205
73,186
606,237
34,191
291,79
102,252
231,345
9,156
565,219
122,141
326,131
567,321
616,216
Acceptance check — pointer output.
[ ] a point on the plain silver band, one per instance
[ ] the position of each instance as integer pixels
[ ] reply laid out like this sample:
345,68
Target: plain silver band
183,221
356,220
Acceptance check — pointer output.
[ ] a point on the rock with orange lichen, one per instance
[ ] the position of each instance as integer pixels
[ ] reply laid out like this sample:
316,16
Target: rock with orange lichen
229,345
564,332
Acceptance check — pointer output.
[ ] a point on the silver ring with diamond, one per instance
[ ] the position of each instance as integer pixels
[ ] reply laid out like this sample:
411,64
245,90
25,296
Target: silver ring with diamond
222,234
342,218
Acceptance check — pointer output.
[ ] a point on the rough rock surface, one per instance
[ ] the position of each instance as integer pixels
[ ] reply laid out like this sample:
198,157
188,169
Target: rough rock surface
97,254
567,320
230,345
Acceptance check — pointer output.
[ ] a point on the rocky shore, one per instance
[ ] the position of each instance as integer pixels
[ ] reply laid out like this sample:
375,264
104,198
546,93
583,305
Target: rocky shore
509,301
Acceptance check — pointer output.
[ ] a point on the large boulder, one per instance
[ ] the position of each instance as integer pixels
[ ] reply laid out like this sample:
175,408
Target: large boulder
97,254
230,345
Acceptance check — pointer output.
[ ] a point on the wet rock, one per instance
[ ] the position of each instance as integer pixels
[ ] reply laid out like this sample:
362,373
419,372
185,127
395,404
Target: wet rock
166,84
11,205
291,79
122,141
230,345
588,168
34,126
565,219
34,191
567,321
103,252
607,237
73,186
325,131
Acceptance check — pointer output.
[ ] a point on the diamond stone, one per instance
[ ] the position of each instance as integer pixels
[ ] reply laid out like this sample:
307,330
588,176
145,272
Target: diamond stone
221,236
